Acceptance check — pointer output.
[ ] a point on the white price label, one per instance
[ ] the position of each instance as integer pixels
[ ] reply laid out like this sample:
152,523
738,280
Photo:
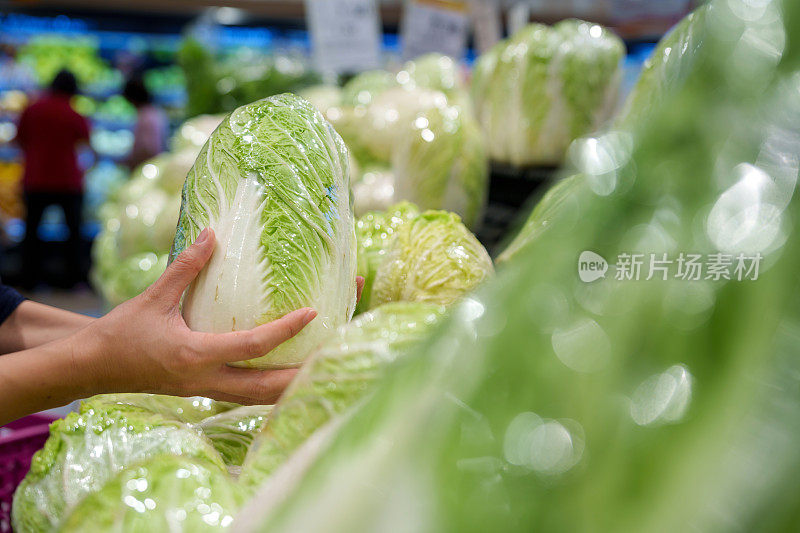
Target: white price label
435,26
488,23
345,34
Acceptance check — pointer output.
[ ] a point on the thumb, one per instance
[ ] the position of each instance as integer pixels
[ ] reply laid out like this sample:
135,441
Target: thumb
184,269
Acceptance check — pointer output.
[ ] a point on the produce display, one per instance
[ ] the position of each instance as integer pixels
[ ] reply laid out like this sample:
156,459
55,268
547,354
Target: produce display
87,449
220,84
165,493
273,183
340,372
431,258
47,54
543,87
555,404
631,366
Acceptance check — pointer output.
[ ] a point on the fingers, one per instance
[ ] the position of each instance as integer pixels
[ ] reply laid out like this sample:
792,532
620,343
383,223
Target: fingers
185,268
243,345
359,287
254,386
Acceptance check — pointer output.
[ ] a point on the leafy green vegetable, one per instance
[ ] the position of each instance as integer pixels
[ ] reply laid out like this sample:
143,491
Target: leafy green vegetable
189,410
433,258
542,216
432,71
618,405
374,234
194,133
87,449
545,86
273,183
362,89
441,164
373,190
233,431
666,68
165,493
339,373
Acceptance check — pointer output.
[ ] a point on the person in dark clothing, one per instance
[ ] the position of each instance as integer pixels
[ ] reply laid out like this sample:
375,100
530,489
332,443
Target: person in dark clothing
49,133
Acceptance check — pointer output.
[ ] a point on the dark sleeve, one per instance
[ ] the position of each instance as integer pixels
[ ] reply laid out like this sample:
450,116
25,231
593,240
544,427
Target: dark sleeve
9,301
84,129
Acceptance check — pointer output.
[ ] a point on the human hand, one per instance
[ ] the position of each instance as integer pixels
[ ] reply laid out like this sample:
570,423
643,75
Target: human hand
144,345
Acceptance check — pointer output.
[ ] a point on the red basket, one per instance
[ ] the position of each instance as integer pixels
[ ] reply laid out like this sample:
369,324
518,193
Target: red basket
19,440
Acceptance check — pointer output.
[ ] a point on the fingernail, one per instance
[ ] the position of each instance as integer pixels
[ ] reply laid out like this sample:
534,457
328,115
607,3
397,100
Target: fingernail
202,237
310,315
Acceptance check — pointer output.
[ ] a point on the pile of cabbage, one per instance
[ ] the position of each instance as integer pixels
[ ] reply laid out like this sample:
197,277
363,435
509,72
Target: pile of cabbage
138,220
413,136
272,180
527,400
543,87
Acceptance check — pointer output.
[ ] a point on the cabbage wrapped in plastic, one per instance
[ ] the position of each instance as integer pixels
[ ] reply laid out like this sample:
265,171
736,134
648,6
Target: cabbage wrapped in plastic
165,493
545,86
339,373
273,184
323,97
432,258
374,233
554,404
87,449
440,163
391,116
541,216
232,432
666,68
364,88
190,410
124,279
374,190
193,134
432,71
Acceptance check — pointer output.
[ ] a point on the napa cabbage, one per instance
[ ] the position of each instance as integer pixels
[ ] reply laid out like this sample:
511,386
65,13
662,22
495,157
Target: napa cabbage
273,183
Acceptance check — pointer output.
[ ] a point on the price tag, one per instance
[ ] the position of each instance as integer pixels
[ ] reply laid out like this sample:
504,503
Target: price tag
487,22
519,15
345,35
435,26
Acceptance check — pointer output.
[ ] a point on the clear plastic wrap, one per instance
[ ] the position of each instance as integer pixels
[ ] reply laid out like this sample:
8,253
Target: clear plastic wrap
338,374
273,184
543,87
432,258
87,449
165,493
232,432
375,232
549,403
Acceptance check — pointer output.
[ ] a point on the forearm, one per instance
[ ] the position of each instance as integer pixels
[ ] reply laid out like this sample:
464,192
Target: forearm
33,324
47,376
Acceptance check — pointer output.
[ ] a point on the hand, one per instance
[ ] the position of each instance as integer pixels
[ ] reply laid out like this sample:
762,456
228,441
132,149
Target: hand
144,345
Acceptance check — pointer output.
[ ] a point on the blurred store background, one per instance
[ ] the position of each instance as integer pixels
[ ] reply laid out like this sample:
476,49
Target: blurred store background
197,59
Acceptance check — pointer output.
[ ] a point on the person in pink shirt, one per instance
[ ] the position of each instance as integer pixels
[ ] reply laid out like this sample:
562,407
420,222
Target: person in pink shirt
151,129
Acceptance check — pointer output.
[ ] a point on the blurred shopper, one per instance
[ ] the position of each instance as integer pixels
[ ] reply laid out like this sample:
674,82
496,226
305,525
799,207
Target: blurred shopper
150,132
49,132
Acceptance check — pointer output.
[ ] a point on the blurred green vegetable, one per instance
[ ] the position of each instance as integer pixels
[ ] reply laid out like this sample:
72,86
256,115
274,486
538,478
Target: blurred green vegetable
555,404
165,493
87,449
233,431
545,86
375,232
339,373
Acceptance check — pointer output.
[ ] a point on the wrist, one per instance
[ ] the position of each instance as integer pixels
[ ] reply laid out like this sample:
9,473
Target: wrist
90,366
